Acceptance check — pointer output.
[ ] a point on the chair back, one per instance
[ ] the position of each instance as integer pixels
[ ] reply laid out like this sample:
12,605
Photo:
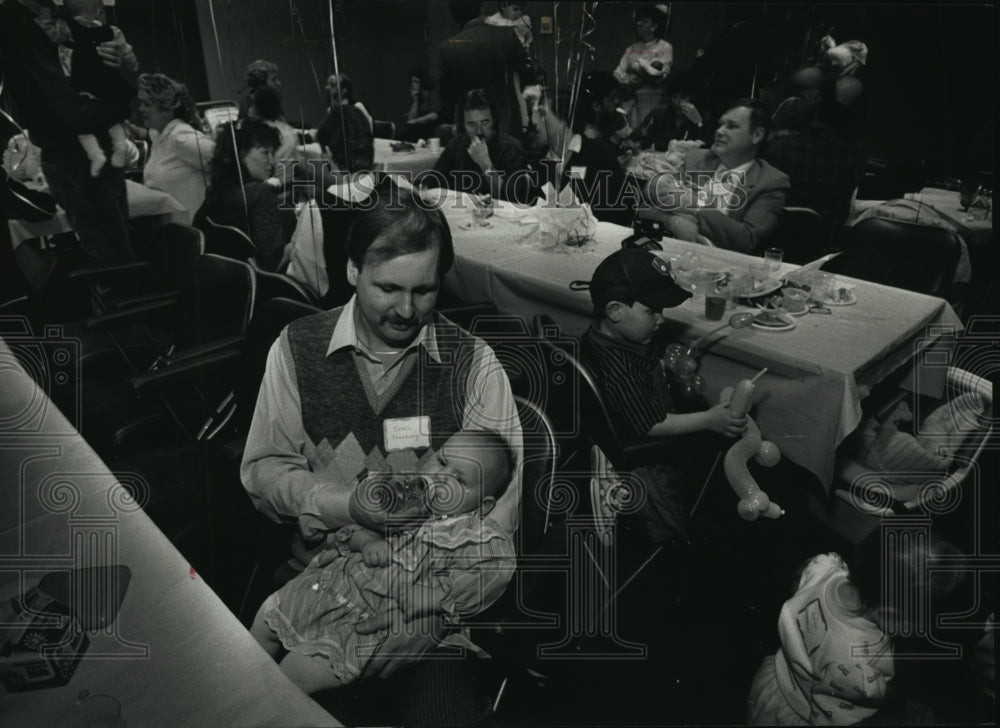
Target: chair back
217,113
218,302
516,349
269,319
277,285
538,472
574,393
919,258
173,259
228,241
802,233
383,129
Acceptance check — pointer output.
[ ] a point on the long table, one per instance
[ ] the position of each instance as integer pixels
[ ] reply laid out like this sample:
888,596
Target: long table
818,373
174,656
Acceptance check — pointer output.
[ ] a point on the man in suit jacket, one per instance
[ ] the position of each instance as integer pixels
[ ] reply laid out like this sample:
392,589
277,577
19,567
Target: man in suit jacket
739,197
481,56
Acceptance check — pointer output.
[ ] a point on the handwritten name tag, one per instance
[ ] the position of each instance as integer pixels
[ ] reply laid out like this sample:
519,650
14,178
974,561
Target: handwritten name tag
407,433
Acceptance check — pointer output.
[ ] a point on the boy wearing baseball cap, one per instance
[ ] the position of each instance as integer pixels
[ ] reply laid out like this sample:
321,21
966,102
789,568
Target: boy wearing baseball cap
629,289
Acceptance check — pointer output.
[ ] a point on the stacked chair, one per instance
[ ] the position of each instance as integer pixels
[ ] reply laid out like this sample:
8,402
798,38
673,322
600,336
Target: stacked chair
173,357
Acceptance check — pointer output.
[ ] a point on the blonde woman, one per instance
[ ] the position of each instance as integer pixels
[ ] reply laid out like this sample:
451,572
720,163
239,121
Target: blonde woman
179,151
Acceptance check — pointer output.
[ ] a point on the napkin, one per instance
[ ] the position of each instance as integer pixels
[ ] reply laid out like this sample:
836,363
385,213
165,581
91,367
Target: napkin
563,219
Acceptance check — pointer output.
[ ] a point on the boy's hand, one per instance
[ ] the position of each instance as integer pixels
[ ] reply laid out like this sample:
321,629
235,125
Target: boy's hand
375,553
723,420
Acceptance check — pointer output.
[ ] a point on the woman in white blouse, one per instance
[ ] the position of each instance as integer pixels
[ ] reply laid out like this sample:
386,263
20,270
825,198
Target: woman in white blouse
179,153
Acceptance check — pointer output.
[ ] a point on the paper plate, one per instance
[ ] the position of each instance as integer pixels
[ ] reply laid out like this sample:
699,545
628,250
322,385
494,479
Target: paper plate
788,325
467,225
765,288
761,305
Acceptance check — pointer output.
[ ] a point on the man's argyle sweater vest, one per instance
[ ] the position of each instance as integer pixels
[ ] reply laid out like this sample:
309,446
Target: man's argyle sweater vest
332,390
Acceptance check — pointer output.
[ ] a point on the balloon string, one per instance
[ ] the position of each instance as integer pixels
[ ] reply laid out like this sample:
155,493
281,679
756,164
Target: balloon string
576,79
232,124
215,32
759,375
296,16
340,102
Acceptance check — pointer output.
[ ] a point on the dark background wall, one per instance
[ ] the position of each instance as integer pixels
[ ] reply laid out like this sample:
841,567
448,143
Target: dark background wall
929,83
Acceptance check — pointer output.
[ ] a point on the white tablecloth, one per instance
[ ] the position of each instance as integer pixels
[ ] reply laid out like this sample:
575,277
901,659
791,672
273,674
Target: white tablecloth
809,400
175,655
142,202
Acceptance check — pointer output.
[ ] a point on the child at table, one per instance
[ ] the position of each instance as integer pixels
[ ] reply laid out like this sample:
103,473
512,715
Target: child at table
836,657
448,556
98,82
629,290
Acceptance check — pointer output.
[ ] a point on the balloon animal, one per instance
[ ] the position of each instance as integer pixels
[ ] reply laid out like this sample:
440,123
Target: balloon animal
753,501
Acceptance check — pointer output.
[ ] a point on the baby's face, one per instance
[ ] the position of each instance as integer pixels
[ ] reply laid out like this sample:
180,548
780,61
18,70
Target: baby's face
463,475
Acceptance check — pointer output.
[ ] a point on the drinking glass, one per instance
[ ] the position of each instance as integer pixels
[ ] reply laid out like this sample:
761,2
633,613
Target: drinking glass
773,257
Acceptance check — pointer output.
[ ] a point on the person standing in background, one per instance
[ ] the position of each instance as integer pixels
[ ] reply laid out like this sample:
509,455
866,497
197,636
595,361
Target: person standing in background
646,63
41,96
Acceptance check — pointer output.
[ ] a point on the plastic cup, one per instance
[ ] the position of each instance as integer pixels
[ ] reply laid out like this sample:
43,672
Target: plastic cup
435,144
715,307
479,216
773,257
796,300
822,290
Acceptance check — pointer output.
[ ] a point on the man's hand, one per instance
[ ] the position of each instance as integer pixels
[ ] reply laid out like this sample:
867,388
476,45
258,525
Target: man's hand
406,643
683,226
364,506
725,421
117,53
376,553
112,53
480,154
311,528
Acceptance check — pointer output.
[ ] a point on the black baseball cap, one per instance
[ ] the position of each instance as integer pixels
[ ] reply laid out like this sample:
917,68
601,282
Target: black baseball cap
633,275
